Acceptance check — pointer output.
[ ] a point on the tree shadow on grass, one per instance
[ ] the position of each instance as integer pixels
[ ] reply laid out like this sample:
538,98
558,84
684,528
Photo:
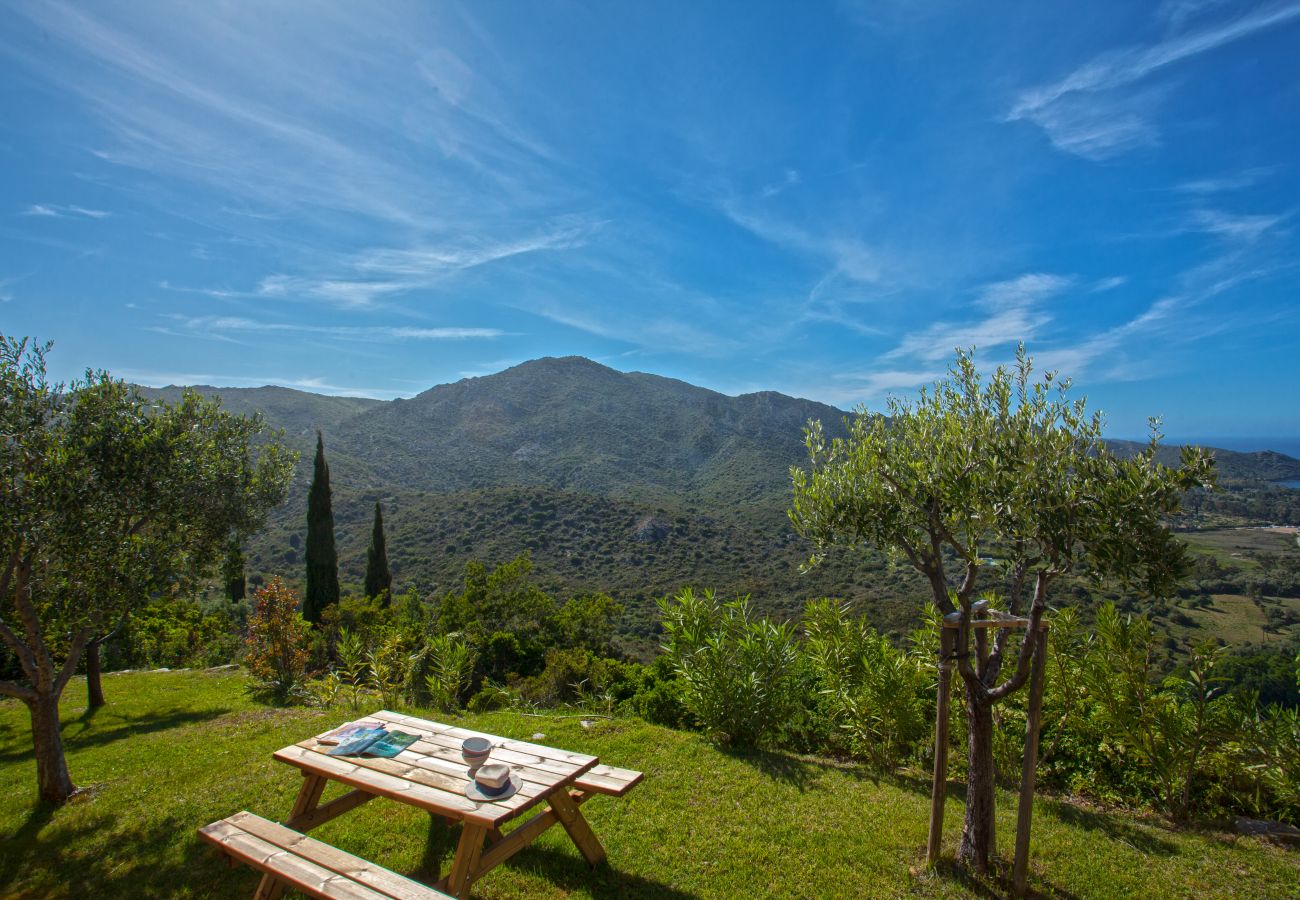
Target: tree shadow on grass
1114,827
81,733
57,851
916,784
997,883
801,773
604,882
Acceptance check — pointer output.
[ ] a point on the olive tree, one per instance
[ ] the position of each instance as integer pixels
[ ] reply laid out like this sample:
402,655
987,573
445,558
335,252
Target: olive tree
1003,483
108,501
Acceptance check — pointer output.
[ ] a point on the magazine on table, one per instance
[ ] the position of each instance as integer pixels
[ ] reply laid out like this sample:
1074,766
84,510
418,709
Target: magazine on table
374,742
349,731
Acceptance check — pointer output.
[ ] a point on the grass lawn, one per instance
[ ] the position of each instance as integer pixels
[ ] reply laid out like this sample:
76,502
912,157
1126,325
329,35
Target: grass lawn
173,751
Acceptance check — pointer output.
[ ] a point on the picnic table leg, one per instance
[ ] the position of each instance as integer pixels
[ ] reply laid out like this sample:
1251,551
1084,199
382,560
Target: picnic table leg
308,799
308,795
464,865
576,825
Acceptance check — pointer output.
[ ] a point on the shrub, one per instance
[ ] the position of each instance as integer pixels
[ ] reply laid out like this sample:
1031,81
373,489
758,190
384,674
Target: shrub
659,695
873,691
505,657
492,697
353,670
578,676
278,639
390,669
737,669
1172,727
177,632
448,665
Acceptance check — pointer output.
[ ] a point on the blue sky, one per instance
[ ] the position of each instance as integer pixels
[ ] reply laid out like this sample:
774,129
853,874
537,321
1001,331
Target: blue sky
820,199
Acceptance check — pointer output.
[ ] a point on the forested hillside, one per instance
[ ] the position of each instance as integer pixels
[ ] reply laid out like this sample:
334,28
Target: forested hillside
637,485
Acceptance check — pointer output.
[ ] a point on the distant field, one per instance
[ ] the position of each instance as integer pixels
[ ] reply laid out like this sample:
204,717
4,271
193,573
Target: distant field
1234,543
1236,619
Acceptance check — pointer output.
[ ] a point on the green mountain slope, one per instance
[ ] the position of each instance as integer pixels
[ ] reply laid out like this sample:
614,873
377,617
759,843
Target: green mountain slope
629,483
571,424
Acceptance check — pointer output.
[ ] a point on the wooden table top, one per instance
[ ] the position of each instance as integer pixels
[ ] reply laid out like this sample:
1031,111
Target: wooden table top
432,775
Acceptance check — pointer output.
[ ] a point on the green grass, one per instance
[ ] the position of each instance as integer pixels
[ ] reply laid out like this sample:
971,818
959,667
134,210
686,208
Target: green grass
1237,620
174,751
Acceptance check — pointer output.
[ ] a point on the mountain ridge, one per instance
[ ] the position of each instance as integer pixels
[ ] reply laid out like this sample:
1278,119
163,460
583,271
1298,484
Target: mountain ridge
632,483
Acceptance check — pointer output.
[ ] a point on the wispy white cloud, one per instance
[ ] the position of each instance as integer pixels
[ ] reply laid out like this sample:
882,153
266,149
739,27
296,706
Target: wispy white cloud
1082,357
417,262
291,119
848,254
313,384
1177,13
1232,182
1108,284
644,329
1014,314
790,179
875,384
223,326
1024,290
58,211
363,279
1098,128
337,292
1086,114
1232,226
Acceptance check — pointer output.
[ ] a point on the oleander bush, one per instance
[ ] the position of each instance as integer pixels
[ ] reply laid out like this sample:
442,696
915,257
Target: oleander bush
877,696
739,670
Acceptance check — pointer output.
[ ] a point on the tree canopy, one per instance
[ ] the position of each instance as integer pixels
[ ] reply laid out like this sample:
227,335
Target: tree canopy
108,501
1004,484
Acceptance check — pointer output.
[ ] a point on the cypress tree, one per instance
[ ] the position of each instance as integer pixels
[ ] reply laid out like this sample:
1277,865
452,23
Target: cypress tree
378,577
322,558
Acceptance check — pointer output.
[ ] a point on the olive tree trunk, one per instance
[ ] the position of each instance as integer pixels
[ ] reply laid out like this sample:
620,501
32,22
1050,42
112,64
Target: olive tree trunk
979,833
53,781
44,684
94,686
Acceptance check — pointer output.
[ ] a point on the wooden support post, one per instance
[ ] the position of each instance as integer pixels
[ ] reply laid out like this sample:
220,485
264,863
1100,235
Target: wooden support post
576,824
309,794
319,815
466,862
939,791
1020,870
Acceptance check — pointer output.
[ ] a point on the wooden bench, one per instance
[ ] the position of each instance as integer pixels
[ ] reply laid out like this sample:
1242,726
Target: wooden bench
605,780
292,859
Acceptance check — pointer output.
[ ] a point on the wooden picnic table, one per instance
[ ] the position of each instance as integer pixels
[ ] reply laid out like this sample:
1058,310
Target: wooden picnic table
431,775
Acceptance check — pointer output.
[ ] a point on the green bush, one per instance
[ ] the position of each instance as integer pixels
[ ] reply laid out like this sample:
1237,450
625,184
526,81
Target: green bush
177,633
447,665
278,641
580,677
875,693
659,696
738,669
492,697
